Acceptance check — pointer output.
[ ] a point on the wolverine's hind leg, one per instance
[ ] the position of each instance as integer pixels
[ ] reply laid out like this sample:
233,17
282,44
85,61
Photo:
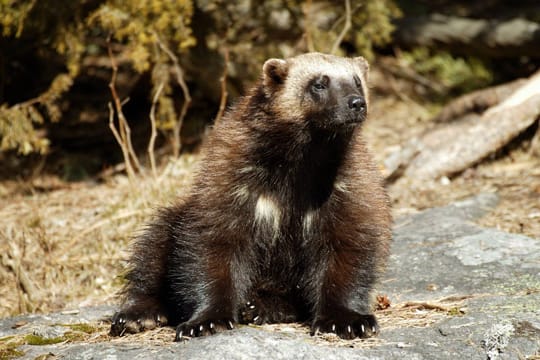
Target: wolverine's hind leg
218,279
214,297
146,286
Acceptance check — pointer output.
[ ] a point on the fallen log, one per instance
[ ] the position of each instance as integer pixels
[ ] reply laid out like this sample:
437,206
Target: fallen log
477,101
498,39
455,146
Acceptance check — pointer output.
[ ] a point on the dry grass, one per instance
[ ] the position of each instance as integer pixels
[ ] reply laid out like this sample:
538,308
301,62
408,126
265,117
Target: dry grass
65,248
62,245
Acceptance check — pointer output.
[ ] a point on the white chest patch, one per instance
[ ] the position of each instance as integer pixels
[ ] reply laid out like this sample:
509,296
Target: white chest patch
307,222
268,214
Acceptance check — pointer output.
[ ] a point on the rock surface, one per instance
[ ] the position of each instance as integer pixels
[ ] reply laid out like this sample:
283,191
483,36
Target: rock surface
458,291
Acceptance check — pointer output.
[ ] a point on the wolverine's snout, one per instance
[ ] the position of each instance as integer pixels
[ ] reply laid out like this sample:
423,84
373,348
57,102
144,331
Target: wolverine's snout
357,103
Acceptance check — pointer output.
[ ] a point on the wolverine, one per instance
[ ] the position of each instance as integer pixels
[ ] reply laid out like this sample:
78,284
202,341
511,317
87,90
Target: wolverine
287,219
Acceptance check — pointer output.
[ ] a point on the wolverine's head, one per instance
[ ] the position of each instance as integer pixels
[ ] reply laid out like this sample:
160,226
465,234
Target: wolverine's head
327,92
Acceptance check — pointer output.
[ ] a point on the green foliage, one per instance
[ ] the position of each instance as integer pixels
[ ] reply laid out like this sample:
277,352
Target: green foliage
142,24
255,31
17,129
47,26
147,28
13,14
372,25
17,123
459,74
151,34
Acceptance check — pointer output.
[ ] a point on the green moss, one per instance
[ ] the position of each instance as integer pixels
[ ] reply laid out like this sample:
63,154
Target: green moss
455,311
456,74
9,344
82,327
32,339
8,348
518,284
10,353
74,336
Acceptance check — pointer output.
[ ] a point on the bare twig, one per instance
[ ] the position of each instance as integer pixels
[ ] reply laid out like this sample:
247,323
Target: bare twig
343,17
345,29
154,130
223,82
307,29
123,147
428,306
123,133
408,73
185,90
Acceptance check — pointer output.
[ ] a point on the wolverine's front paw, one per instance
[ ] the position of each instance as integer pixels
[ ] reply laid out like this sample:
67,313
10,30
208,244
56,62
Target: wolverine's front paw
133,322
346,324
201,327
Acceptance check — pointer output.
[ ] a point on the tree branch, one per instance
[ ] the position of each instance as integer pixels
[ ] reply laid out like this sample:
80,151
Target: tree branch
185,90
223,83
345,29
153,135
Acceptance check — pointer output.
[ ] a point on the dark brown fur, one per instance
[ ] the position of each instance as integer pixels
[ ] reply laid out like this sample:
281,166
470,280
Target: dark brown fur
287,219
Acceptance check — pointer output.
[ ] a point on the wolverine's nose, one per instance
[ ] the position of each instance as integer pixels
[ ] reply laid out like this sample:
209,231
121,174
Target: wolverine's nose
357,103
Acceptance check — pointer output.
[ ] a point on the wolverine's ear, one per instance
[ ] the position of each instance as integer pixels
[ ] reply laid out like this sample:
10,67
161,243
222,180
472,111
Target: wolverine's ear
275,71
363,65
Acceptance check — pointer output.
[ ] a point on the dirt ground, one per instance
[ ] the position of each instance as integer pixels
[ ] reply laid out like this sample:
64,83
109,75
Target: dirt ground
63,245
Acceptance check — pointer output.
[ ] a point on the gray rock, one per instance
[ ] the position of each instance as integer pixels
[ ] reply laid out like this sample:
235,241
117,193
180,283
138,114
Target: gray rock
439,257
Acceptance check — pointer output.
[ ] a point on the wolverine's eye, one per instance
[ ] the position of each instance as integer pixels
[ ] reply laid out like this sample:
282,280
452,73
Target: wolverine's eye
318,86
320,83
357,82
